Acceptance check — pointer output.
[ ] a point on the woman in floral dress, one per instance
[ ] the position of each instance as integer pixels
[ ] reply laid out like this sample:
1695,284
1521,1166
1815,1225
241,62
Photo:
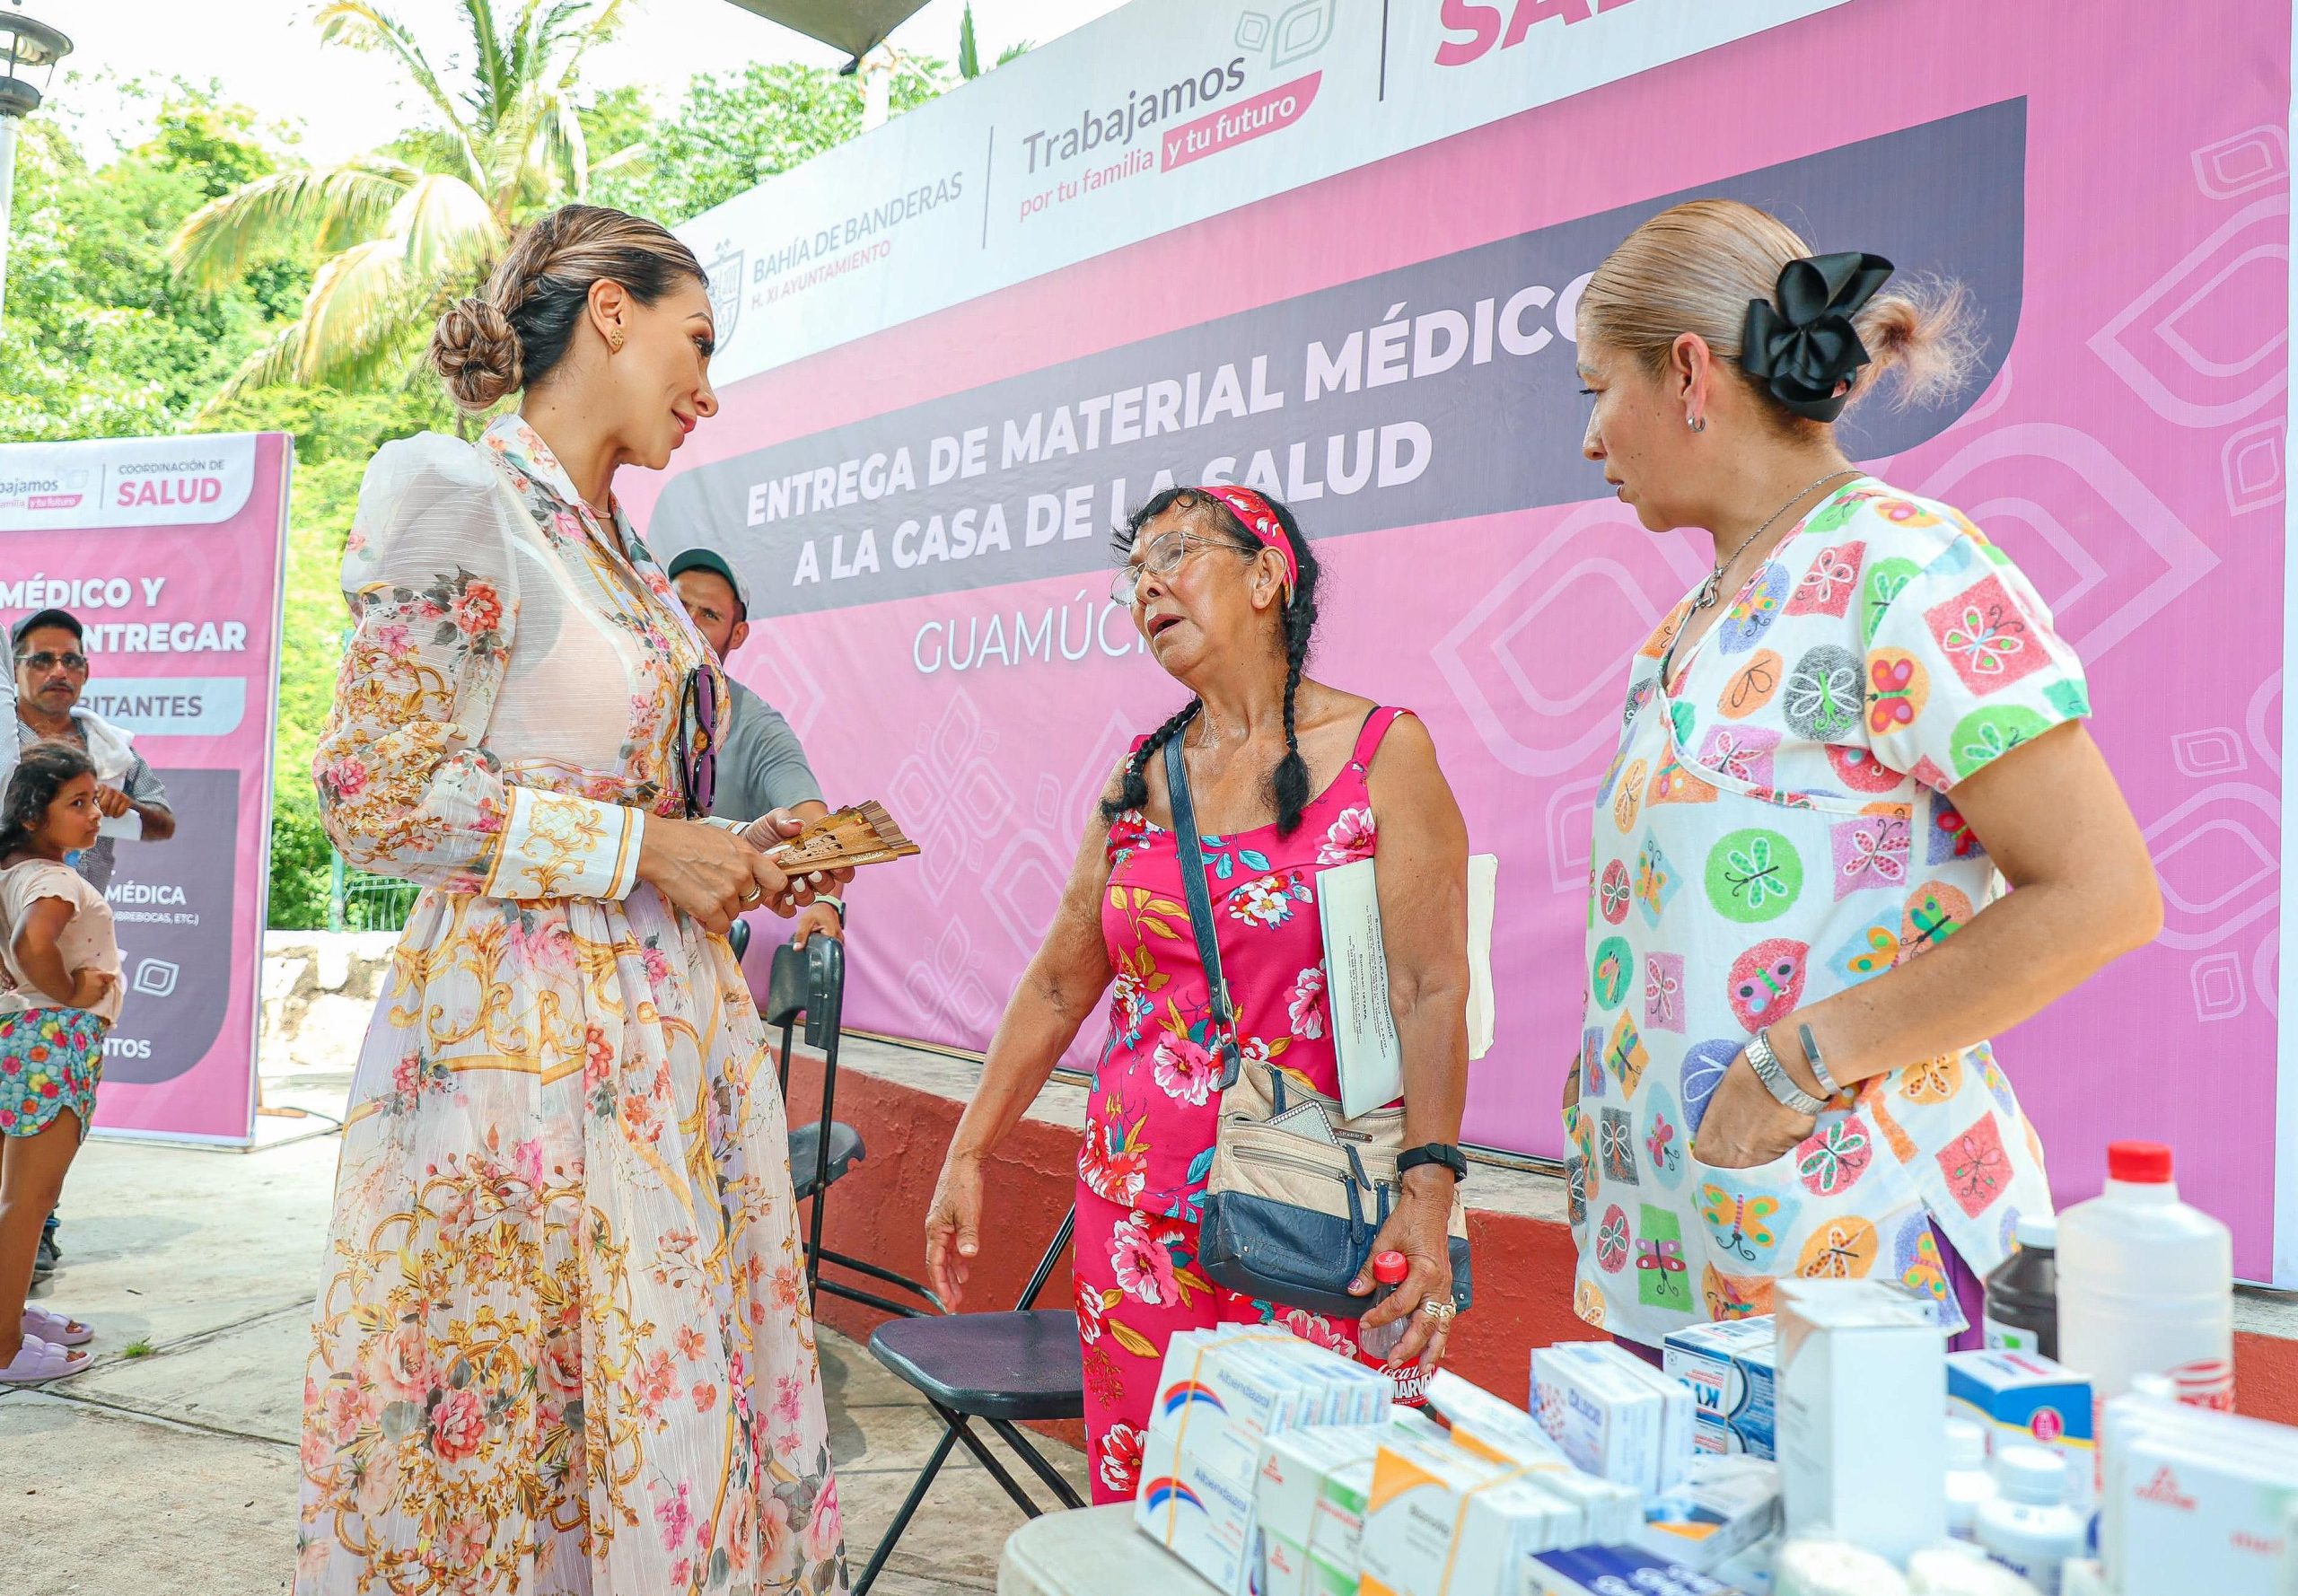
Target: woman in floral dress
1287,774
564,1345
1833,753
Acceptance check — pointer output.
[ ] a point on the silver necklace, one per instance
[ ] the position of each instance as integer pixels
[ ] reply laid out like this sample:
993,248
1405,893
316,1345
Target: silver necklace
1711,590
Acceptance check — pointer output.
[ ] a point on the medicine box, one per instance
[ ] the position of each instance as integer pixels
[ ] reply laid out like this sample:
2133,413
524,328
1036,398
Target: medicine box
1236,1387
1612,1570
2196,1501
1195,1502
1731,1367
1293,1471
1284,1566
1440,1523
1729,1504
1614,1414
1491,1428
1336,1529
2023,1396
1862,1431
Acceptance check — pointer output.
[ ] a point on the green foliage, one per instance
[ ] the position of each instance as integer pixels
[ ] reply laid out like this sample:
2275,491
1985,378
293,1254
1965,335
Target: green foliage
401,232
735,130
969,50
107,335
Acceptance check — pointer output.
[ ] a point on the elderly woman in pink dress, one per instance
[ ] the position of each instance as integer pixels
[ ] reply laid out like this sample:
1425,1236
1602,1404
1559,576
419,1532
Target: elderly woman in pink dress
1288,776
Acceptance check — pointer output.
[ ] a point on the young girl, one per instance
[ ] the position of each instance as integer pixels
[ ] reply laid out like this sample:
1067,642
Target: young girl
59,994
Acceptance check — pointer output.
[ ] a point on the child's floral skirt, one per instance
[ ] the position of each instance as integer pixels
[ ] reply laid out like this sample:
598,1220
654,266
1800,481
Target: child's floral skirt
51,1060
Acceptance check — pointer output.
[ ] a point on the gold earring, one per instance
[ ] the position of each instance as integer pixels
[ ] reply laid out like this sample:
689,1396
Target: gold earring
614,341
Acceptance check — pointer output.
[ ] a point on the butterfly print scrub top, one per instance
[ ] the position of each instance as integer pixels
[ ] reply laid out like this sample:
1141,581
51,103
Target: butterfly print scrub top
1776,829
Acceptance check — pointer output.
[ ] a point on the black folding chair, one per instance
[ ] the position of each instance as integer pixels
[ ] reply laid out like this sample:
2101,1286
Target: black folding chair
810,982
1000,1368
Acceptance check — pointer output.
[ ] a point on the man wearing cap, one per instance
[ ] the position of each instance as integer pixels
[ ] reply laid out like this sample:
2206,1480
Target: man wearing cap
51,673
760,764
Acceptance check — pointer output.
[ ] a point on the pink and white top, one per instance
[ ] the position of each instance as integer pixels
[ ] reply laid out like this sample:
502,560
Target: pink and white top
87,938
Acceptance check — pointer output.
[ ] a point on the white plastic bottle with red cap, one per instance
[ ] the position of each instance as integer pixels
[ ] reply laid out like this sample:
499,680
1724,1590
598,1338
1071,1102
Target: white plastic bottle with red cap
2146,1285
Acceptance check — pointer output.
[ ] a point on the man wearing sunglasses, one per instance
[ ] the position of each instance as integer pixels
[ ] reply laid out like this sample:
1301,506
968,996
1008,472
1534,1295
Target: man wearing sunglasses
51,673
761,767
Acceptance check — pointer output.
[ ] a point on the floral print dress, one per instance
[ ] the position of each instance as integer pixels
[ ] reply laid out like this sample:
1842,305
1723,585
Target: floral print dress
562,1344
1776,829
1155,1102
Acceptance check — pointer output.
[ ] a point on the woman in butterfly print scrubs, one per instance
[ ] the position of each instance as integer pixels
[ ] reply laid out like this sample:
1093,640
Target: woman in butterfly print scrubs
1868,718
1224,587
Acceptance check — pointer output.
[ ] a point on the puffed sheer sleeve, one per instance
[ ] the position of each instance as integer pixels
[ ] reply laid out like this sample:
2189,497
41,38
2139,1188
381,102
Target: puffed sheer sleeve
407,786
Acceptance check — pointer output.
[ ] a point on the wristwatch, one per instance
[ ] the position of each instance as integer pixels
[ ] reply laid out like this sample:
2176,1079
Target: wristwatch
1776,1078
1439,1152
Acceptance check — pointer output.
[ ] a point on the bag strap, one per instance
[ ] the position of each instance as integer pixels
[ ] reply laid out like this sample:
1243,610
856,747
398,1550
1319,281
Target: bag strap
1190,853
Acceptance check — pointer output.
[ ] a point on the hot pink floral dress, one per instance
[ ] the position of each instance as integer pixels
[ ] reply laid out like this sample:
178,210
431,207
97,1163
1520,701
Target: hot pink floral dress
1150,1121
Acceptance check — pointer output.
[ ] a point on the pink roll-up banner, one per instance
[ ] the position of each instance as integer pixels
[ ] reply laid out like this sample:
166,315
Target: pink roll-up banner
172,554
1331,248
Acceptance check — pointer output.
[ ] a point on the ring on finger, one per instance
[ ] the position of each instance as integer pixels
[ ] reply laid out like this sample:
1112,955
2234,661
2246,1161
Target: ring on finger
751,896
1439,1308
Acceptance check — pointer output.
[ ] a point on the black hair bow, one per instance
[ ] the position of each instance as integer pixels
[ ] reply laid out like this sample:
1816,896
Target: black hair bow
1805,346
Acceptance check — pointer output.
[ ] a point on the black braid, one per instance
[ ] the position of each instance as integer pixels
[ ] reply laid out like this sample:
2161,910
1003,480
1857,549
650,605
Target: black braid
1292,778
1290,781
1134,792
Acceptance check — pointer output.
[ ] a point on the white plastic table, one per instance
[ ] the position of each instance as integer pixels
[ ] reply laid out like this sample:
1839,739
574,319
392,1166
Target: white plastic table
1092,1551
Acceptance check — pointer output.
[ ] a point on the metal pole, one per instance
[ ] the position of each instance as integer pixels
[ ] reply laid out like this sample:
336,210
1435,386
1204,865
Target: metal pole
7,192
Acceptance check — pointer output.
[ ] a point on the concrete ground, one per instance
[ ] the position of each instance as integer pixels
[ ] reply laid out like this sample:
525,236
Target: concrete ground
174,1469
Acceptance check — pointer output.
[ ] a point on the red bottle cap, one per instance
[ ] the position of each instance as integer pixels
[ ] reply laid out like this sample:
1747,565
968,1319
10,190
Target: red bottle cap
1389,1268
2138,1163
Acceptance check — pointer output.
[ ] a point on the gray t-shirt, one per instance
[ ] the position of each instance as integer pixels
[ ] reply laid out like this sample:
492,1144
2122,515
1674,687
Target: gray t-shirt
96,863
760,764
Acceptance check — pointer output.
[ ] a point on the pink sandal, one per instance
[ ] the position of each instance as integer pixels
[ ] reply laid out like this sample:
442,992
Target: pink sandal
39,1360
54,1328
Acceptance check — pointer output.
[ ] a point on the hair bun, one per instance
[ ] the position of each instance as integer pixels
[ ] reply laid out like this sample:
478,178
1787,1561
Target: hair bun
477,351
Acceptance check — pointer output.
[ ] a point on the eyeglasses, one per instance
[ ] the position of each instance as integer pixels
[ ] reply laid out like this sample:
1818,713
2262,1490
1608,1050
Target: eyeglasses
698,741
49,662
1163,558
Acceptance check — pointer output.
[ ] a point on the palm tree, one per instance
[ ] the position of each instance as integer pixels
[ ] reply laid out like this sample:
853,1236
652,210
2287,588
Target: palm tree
401,232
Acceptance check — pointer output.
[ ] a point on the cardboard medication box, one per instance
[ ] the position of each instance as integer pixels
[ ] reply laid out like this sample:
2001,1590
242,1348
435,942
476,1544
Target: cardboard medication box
1294,1469
1616,1570
1195,1502
1615,1415
1862,1429
1221,1395
1726,1506
1731,1367
1441,1523
2023,1396
1491,1428
2196,1501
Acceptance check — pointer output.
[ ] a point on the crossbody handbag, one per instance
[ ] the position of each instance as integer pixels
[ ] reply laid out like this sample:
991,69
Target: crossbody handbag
1289,1216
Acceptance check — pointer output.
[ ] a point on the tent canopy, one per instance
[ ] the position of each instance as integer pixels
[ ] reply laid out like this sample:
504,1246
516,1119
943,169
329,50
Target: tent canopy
855,26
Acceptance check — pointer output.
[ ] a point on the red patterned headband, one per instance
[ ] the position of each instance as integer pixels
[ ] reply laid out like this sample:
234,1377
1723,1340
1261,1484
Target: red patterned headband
1261,521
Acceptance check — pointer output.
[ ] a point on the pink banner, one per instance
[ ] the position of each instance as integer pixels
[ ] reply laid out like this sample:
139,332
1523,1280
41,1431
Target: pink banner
2120,212
170,553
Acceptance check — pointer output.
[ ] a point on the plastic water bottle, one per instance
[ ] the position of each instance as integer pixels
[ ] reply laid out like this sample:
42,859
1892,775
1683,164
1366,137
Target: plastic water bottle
2022,1292
2145,1285
1389,1272
2028,1526
1375,1347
